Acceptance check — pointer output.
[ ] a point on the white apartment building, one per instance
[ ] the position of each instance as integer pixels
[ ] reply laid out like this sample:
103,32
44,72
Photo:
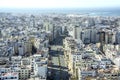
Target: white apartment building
39,66
84,73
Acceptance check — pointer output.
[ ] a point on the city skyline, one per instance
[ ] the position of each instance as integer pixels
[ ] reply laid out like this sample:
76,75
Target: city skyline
59,40
59,3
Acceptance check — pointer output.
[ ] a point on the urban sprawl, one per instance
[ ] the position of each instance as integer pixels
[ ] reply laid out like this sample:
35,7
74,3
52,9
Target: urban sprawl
59,47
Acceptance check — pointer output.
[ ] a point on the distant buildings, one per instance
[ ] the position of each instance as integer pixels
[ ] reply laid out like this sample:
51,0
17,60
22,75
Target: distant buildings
91,48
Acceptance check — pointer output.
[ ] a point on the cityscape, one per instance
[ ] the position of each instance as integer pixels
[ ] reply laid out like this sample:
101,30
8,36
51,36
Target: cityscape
55,41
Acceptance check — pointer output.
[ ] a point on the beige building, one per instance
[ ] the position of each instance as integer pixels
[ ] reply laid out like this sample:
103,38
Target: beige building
24,73
72,54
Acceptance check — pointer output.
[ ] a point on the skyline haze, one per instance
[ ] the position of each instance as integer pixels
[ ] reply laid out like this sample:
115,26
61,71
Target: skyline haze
59,3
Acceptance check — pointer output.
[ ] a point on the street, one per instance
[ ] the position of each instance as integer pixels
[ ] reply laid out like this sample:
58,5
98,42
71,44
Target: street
58,67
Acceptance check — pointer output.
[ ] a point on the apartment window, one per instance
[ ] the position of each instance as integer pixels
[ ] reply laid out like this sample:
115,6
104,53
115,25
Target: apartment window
6,78
12,77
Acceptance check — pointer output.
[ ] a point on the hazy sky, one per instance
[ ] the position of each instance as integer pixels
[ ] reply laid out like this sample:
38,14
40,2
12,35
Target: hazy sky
58,3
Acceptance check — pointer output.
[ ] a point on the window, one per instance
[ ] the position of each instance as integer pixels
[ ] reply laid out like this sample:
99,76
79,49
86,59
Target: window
12,77
6,78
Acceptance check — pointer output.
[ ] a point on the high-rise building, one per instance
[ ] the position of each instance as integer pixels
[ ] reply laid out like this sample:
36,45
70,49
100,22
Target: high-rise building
75,32
102,39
